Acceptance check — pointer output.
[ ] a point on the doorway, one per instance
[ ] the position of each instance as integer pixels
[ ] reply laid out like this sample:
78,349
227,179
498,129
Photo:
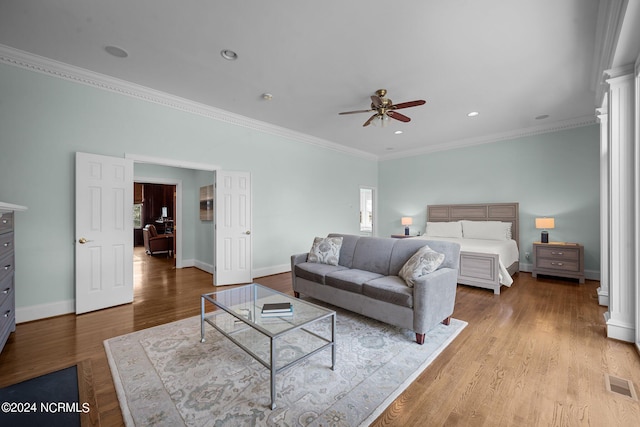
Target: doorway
154,218
367,211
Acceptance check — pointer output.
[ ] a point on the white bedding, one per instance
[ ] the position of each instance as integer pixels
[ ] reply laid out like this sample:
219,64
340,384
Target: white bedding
506,249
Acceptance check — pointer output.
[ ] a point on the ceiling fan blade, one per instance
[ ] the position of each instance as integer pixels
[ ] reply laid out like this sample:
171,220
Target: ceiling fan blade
358,111
398,116
368,122
409,104
377,102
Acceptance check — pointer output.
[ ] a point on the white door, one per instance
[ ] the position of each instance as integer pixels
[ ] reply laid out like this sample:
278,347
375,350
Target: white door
232,200
104,232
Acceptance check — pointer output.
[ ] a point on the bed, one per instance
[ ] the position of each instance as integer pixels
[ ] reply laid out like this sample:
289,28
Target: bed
484,263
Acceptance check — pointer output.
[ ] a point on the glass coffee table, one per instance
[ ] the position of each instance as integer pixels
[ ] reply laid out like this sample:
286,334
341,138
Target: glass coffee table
237,314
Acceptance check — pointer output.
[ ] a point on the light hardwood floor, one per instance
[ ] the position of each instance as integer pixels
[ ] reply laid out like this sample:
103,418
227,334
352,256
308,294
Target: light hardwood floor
536,355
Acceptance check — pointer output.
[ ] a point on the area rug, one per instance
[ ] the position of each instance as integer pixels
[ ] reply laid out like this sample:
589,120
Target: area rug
166,376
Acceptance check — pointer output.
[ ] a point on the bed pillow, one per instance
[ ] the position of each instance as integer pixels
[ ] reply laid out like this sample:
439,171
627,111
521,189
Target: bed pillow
423,262
444,229
489,230
325,250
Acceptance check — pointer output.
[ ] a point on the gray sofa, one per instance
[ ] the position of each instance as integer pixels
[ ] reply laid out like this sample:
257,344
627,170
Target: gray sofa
366,281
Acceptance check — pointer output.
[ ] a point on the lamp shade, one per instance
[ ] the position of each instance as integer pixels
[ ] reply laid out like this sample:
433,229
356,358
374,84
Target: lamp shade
406,220
545,223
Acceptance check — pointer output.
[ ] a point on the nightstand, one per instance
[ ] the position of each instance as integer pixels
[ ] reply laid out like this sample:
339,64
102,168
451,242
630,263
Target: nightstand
559,259
401,236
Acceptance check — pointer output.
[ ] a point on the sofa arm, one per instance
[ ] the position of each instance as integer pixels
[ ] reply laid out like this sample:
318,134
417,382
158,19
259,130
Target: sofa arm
434,298
298,259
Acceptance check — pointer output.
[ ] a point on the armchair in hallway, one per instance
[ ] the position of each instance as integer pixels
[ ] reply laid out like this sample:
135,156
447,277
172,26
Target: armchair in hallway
154,242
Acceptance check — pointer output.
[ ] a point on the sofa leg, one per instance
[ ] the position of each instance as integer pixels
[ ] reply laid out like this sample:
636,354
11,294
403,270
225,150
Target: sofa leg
420,338
296,294
447,321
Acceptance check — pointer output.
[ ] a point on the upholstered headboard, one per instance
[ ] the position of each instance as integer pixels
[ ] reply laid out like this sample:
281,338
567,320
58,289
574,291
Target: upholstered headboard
505,212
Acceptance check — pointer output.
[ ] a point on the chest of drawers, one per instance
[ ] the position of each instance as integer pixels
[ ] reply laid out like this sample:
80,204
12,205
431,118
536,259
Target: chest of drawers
559,259
7,294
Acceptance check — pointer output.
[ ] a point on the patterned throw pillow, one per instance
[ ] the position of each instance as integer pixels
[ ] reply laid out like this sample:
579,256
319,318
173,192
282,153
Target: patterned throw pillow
325,250
423,262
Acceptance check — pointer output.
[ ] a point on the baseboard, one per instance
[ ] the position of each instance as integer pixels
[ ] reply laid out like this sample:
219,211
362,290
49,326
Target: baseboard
619,330
42,311
209,268
527,268
269,271
603,297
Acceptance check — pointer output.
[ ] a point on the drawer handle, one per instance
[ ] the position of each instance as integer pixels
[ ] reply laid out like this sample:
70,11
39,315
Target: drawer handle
6,267
6,291
557,263
557,253
5,221
7,244
7,313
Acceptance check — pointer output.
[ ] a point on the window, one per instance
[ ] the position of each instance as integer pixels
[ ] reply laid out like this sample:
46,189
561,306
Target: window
137,215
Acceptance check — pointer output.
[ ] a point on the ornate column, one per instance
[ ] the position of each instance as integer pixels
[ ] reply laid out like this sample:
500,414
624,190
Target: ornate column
603,118
621,317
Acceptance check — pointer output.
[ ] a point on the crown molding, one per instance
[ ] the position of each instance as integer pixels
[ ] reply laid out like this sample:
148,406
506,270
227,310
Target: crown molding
608,26
29,61
50,67
503,136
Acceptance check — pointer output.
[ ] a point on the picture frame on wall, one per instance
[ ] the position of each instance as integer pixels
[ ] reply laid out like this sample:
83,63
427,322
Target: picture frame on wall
206,203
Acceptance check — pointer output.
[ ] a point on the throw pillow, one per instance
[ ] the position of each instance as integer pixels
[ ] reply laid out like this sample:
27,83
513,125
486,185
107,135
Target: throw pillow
423,262
325,250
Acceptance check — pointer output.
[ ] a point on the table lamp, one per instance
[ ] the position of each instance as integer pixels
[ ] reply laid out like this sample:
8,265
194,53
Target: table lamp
406,221
544,224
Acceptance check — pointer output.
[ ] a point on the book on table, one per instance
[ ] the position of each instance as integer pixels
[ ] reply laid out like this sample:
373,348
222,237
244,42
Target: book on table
278,307
278,314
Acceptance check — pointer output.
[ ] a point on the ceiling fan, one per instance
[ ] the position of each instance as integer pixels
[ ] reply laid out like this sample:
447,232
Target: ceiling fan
385,108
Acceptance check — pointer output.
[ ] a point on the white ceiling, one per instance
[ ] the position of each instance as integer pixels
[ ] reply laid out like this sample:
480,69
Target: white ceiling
511,61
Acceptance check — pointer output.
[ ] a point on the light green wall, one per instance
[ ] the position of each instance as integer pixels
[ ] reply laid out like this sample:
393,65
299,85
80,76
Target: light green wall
299,190
555,174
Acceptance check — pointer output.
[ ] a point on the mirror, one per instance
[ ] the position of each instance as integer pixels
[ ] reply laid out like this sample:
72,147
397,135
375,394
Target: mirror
367,216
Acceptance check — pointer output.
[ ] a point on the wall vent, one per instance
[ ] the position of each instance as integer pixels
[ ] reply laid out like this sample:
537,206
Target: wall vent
620,386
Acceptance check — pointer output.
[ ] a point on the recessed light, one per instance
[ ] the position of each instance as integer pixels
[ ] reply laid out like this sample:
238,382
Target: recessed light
473,114
267,96
229,55
544,116
390,148
116,51
398,132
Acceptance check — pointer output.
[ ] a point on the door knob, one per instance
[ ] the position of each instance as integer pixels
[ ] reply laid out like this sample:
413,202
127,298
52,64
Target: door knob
82,240
247,232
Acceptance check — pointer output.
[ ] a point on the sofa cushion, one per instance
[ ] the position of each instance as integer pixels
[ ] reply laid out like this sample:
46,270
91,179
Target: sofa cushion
325,250
391,289
348,247
402,251
423,262
350,279
316,272
373,254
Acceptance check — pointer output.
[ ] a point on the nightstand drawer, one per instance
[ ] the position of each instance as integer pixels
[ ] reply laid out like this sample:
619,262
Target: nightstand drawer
558,253
561,265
